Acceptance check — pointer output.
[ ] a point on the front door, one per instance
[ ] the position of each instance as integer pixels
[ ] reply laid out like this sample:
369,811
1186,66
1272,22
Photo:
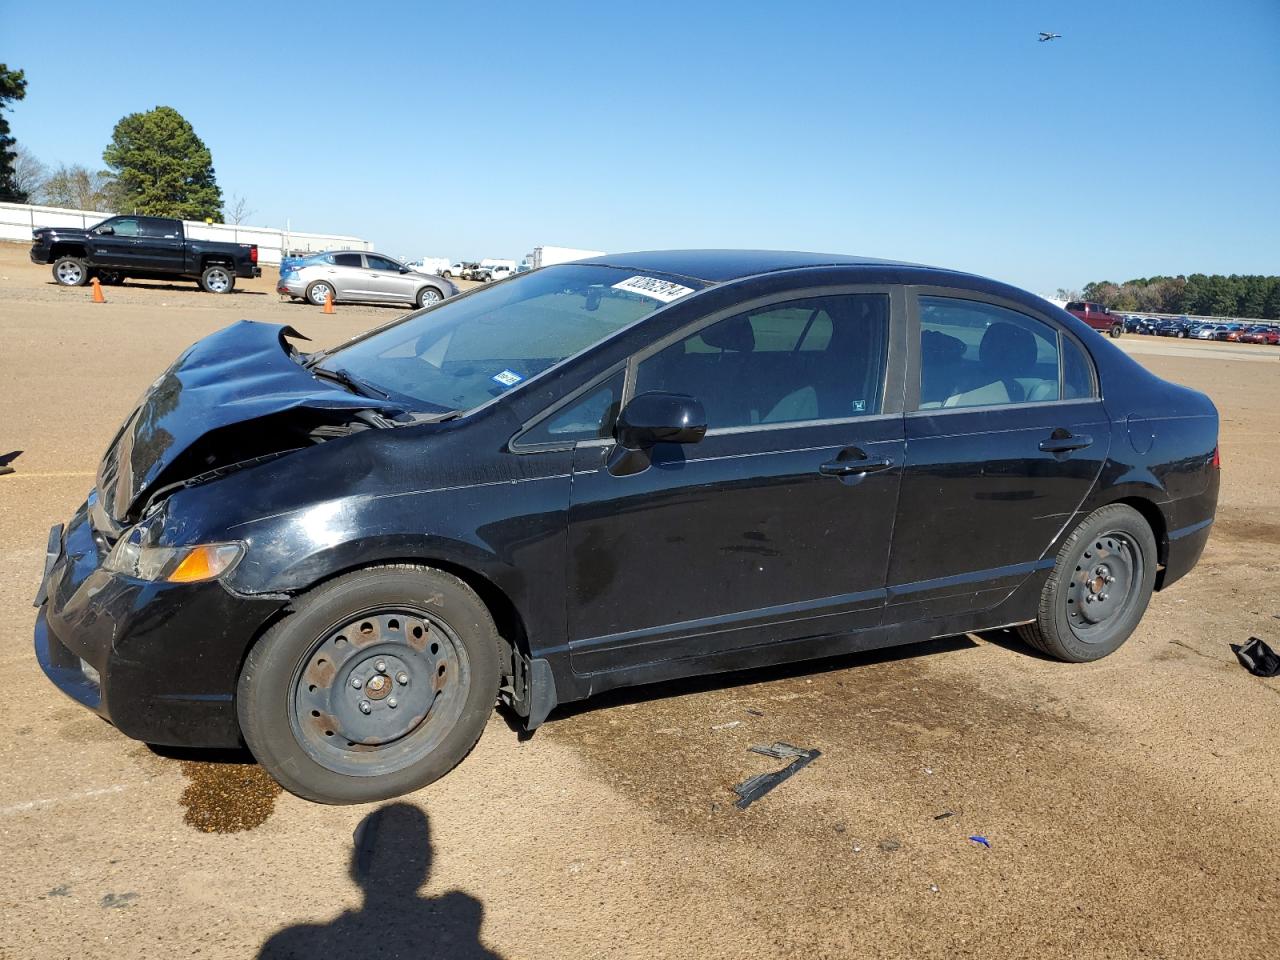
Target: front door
1005,442
119,248
386,281
777,524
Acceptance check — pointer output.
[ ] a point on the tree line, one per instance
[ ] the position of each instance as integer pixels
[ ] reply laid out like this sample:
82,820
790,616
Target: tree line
1199,294
155,165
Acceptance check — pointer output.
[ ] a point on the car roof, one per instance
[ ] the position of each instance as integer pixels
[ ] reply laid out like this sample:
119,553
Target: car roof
716,266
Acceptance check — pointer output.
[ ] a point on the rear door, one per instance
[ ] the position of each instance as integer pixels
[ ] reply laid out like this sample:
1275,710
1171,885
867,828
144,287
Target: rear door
775,526
349,276
1005,437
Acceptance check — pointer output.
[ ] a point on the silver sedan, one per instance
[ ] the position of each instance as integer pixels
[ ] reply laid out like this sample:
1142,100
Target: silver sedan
352,276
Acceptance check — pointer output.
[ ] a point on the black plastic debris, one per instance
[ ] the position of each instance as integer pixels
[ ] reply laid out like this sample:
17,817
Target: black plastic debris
752,790
1256,657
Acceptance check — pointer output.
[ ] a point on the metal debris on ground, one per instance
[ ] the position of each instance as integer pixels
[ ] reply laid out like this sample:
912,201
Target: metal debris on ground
727,726
752,790
944,815
982,841
755,713
1256,657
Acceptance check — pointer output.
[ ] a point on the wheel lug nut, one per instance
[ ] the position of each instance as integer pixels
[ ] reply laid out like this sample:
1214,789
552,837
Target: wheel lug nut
356,682
365,706
392,703
1111,579
402,678
1102,596
380,666
1089,598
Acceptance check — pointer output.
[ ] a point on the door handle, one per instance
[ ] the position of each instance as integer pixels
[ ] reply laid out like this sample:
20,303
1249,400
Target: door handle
849,468
1064,441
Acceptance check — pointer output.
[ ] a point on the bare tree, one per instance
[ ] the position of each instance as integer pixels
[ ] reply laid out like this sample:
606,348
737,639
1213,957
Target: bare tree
1065,294
238,209
78,187
28,173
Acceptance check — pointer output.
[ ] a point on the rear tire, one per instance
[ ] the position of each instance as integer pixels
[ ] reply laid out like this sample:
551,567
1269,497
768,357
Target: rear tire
70,272
426,654
218,278
1099,588
318,291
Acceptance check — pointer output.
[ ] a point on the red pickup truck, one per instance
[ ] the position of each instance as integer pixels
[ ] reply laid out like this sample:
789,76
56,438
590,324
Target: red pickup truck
1096,316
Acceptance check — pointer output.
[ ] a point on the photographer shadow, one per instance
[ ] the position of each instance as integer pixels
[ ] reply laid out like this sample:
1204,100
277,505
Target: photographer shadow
391,860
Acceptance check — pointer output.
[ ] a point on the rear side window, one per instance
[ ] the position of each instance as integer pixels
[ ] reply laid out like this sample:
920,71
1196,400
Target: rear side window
1077,372
347,259
165,229
975,354
804,360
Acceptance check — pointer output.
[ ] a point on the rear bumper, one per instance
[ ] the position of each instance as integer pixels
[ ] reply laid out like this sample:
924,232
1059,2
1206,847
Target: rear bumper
249,272
159,661
293,287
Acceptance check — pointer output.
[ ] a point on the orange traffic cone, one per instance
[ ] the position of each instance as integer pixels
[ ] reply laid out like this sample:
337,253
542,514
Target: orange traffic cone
97,291
328,304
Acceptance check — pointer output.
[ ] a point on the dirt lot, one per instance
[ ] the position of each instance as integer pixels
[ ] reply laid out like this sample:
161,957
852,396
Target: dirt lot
1130,804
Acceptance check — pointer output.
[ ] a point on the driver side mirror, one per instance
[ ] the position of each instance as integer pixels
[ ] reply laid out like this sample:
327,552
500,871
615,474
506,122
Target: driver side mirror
405,270
106,231
653,418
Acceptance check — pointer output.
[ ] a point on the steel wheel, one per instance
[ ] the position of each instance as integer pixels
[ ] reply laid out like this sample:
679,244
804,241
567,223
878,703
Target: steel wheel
1102,588
318,292
69,273
380,692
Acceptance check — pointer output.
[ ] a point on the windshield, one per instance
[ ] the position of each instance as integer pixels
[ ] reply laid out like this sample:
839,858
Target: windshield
465,352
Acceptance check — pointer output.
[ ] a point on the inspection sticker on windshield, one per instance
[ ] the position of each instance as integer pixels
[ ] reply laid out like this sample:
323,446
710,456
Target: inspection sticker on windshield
663,290
508,378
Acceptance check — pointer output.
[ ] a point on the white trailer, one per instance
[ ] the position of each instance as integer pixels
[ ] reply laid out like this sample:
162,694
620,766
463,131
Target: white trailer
546,256
436,265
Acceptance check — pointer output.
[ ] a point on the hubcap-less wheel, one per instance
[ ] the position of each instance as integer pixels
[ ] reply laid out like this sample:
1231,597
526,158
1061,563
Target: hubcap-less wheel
217,280
1103,586
379,693
319,293
70,273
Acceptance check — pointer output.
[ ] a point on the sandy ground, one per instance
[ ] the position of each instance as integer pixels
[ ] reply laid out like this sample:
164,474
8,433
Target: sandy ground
1130,804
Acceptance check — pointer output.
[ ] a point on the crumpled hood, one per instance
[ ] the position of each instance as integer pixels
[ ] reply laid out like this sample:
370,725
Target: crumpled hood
246,372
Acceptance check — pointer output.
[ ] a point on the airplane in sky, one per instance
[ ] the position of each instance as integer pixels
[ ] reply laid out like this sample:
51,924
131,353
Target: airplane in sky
1049,36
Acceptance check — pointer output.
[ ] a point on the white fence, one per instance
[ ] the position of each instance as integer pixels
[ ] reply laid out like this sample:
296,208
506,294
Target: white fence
17,220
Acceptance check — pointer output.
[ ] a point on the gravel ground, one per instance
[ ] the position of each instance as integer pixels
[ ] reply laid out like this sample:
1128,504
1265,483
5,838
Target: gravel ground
1130,805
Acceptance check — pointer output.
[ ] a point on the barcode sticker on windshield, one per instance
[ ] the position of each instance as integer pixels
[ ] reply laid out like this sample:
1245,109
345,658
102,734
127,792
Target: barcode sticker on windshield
508,378
663,290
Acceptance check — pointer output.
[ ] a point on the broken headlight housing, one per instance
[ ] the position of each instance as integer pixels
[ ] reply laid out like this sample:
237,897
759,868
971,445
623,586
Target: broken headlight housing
190,564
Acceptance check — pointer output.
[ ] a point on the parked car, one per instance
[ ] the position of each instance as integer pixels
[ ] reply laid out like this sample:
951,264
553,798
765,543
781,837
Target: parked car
143,248
604,473
1096,316
355,276
454,270
472,271
1209,331
1261,333
1229,331
497,272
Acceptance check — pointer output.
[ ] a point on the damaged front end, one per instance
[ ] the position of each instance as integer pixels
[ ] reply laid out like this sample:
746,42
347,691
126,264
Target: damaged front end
239,398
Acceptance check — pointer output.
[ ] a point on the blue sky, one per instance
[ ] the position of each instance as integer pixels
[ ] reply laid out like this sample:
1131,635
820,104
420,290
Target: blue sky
1145,141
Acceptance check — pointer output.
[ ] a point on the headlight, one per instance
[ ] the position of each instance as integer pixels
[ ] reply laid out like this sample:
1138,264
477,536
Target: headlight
172,564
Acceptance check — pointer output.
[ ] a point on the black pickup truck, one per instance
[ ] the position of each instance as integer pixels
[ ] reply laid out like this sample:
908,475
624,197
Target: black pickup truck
146,248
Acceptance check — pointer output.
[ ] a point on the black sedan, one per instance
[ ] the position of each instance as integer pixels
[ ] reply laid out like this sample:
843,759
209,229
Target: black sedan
612,472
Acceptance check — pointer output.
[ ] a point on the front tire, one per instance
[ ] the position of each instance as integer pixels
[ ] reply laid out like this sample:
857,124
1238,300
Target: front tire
1116,330
70,272
429,296
379,683
217,278
1099,588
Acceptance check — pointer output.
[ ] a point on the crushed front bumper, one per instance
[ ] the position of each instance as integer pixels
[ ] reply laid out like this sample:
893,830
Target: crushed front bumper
160,661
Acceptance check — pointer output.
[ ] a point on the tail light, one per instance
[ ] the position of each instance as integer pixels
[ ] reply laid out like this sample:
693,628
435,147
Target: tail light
253,253
1216,462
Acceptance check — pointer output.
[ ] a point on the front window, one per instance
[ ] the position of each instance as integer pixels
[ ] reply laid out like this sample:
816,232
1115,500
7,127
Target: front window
464,352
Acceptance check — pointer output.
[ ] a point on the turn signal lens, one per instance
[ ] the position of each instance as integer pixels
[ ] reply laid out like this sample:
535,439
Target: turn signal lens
206,562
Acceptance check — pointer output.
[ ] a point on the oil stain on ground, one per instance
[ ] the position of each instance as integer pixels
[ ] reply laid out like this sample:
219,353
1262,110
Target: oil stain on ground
227,797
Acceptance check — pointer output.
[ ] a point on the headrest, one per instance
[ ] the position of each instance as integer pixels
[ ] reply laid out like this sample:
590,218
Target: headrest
732,334
940,347
1009,349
